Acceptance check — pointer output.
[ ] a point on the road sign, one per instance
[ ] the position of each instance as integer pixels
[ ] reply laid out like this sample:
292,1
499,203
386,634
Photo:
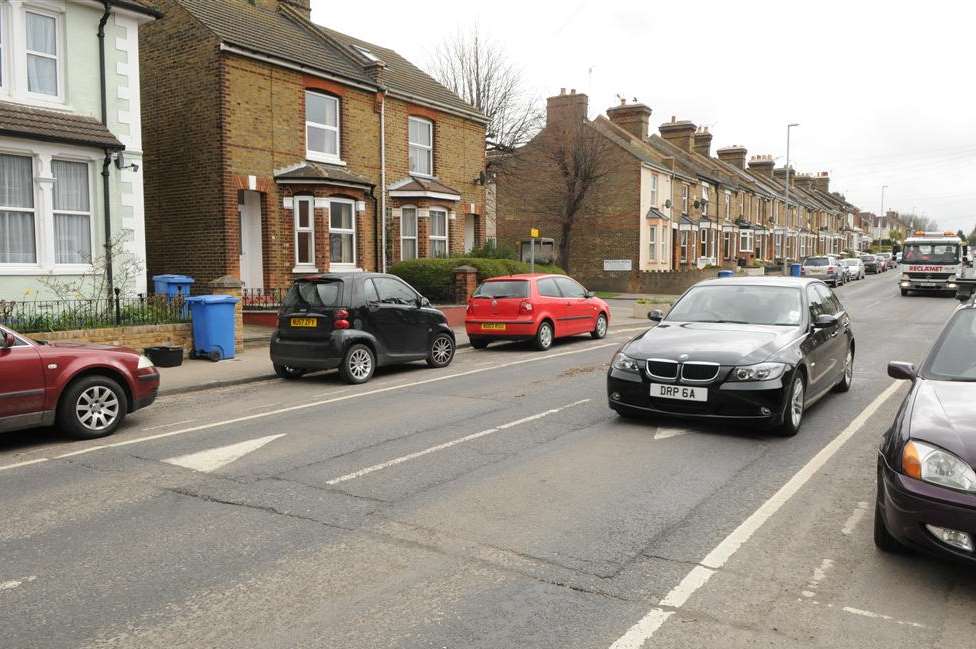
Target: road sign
534,233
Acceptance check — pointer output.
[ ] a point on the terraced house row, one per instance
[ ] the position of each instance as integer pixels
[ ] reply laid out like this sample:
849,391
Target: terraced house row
666,200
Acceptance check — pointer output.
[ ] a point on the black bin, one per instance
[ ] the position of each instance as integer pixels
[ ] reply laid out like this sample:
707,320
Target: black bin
165,356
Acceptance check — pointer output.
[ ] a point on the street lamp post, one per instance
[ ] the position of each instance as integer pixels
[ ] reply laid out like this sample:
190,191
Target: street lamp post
786,220
885,221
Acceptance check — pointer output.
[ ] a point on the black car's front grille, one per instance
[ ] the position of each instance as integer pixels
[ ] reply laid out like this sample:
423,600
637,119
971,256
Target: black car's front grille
662,369
699,371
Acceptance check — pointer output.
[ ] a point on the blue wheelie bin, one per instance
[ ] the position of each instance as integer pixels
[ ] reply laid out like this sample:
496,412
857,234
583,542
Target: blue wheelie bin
795,270
726,273
172,285
213,326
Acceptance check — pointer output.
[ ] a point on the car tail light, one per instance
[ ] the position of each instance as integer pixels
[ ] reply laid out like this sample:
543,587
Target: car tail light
525,307
831,269
341,319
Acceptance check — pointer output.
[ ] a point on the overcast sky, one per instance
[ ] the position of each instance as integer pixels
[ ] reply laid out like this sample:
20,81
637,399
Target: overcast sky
884,92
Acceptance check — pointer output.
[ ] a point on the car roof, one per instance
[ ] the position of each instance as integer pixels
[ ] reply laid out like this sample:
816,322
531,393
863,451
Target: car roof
790,282
352,274
522,276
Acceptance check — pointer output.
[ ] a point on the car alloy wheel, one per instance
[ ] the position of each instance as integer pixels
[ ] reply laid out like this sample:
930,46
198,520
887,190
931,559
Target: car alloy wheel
796,402
601,327
97,408
848,379
358,364
441,351
543,338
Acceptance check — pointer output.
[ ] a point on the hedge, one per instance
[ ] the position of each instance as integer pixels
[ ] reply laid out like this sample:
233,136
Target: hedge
434,278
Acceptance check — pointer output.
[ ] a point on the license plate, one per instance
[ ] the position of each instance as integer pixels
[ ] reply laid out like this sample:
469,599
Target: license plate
304,322
927,285
492,326
680,392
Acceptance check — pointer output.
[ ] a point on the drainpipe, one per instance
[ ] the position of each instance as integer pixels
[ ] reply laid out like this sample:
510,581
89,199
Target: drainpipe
108,154
382,214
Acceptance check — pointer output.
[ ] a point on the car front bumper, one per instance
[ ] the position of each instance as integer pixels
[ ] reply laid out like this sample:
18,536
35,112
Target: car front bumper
907,505
753,402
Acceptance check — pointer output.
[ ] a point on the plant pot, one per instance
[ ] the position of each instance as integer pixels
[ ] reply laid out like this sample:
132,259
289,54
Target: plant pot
165,356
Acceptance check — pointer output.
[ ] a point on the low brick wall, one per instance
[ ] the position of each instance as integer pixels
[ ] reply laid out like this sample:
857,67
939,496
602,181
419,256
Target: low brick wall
175,335
664,282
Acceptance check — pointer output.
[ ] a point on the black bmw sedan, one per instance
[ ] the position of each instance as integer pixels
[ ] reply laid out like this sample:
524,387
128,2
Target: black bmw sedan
755,350
926,477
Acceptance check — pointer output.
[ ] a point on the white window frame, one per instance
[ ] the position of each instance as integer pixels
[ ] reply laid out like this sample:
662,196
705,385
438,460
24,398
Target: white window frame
683,245
704,243
728,205
778,244
654,190
304,267
354,264
90,214
37,264
424,147
652,243
727,237
684,199
416,230
323,156
745,237
58,57
431,238
4,40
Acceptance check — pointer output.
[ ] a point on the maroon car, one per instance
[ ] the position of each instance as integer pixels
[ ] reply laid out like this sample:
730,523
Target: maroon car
87,390
926,480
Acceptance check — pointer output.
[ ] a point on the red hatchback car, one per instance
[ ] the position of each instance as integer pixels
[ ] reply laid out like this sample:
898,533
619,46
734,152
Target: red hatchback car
533,307
87,390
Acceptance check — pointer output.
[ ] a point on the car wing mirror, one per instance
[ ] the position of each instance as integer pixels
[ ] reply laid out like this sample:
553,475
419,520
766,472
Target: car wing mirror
589,294
422,301
7,340
901,371
656,315
824,320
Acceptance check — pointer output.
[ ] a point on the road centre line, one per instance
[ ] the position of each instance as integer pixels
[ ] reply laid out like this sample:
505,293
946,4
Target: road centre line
440,447
646,627
314,404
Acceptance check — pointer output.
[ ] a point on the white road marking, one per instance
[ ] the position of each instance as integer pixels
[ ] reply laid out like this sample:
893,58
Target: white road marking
215,458
881,616
819,574
172,423
663,432
854,518
646,627
440,447
315,404
14,583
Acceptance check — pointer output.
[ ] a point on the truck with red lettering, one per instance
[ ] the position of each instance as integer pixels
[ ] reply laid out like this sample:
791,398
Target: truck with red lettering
931,261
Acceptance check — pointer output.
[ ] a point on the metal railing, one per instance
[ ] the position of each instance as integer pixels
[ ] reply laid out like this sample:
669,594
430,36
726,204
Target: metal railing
31,316
263,299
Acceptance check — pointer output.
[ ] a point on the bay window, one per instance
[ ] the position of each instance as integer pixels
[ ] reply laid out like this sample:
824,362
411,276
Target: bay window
421,145
342,234
304,232
42,53
704,243
745,241
321,127
652,242
408,233
683,244
72,212
438,233
17,228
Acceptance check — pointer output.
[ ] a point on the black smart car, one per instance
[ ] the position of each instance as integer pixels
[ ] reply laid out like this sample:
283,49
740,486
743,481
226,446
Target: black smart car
356,322
752,350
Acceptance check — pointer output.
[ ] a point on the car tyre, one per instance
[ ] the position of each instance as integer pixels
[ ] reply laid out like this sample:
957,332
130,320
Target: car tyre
92,406
883,540
358,364
904,292
544,336
478,343
848,379
795,407
600,330
441,351
289,373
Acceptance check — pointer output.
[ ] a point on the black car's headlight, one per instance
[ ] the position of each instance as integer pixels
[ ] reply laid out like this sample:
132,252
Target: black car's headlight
758,372
937,466
625,363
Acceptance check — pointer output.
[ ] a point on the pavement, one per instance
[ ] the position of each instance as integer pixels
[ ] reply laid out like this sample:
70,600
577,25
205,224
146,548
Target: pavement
494,503
254,363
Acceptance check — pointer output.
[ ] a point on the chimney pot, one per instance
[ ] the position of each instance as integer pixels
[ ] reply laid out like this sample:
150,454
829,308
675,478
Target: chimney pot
572,91
562,91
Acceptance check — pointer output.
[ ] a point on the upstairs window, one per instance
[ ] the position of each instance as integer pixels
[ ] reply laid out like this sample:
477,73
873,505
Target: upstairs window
684,199
654,190
421,137
42,54
321,127
72,213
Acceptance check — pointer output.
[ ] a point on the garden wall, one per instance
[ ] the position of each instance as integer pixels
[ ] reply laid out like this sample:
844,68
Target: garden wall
665,282
138,337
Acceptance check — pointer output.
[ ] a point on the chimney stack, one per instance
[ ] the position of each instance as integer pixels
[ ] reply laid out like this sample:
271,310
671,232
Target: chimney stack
734,155
803,181
680,133
780,173
822,182
566,109
762,165
703,142
633,118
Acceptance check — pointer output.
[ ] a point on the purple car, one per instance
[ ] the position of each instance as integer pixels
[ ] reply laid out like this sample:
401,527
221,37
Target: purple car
926,481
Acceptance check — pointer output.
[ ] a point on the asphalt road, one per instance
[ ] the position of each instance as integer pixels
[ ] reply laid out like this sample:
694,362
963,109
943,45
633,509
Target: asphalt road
495,503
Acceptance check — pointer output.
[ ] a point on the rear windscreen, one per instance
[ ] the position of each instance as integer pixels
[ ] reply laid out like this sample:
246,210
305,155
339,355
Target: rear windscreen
817,261
500,289
315,294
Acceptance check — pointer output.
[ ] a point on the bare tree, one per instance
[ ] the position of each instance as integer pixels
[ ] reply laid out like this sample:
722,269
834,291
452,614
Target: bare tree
477,70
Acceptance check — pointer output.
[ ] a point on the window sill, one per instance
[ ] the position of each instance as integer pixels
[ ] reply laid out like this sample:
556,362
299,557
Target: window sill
304,269
421,174
26,270
344,268
316,157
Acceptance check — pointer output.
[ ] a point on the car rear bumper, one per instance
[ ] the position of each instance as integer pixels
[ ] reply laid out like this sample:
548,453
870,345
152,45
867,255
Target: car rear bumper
761,402
325,354
513,328
907,505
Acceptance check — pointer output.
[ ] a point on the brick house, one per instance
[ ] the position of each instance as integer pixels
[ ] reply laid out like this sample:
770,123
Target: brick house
273,145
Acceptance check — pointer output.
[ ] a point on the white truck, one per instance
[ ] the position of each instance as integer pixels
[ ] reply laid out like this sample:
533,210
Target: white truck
931,261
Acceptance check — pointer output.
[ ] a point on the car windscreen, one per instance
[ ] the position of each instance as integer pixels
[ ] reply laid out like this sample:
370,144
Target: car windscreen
740,304
868,258
503,289
931,253
953,358
817,261
317,294
849,262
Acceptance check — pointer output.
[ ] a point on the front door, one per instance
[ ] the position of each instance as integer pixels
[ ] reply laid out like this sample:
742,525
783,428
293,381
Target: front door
252,265
469,228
